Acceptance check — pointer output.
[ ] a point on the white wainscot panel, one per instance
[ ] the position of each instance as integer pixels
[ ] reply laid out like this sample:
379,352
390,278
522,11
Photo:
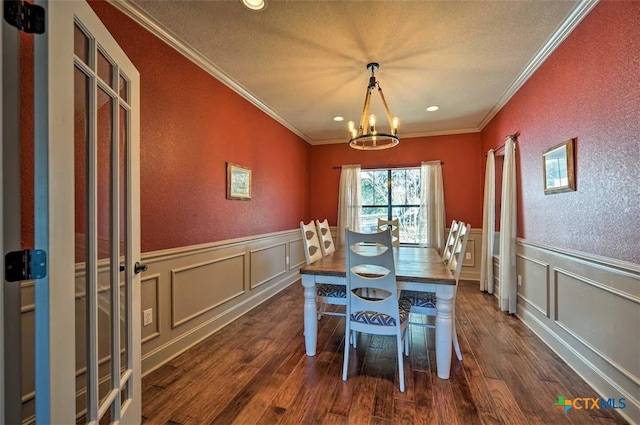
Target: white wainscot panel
587,308
296,254
198,288
534,283
268,263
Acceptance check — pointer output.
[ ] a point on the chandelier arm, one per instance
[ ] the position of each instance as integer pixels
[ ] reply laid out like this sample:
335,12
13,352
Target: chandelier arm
386,108
365,112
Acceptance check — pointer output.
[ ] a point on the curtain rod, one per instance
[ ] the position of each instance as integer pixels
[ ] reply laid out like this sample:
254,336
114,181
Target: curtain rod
500,148
368,167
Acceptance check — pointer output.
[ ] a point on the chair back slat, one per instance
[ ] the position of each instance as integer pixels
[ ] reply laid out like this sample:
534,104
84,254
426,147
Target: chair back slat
451,241
324,235
312,251
457,258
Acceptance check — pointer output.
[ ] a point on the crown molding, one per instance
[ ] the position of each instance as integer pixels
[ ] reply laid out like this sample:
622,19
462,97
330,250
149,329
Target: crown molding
573,19
191,53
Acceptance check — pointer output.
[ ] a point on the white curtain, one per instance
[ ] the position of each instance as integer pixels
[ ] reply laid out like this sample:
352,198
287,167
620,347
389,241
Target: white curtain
508,278
488,224
348,201
432,214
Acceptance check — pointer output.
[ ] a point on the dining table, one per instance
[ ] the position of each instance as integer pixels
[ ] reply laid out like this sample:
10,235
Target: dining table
417,269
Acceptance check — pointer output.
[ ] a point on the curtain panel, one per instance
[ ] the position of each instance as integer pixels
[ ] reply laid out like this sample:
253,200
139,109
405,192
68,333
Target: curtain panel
488,224
432,213
349,202
508,229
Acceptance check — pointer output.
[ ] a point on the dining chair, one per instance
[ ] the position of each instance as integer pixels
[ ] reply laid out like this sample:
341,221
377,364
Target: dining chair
324,234
372,266
424,303
394,225
327,293
451,241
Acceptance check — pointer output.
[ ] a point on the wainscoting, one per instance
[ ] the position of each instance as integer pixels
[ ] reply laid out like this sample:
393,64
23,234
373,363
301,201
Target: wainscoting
587,309
192,291
473,256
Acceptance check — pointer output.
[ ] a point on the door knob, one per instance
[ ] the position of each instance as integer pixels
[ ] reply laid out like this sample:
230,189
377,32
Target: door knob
139,268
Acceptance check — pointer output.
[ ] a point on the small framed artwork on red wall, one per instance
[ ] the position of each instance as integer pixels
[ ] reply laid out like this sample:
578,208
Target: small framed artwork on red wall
238,182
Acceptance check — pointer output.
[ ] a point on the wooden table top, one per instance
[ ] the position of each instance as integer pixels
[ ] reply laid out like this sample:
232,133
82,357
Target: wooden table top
413,264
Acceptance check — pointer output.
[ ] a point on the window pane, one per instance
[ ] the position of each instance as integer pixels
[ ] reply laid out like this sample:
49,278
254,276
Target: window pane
409,223
374,187
405,186
369,218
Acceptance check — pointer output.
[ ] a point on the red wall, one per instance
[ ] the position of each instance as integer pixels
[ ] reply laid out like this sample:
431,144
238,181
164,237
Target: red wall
589,88
191,125
461,172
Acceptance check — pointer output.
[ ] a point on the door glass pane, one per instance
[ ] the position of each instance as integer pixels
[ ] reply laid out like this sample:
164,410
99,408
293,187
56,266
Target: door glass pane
105,69
123,86
81,88
104,212
122,195
80,44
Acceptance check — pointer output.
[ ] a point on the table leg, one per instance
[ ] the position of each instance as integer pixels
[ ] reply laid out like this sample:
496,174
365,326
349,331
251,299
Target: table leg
310,314
444,323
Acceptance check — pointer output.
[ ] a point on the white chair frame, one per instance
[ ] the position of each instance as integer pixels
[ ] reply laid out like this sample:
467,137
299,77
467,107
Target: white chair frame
380,316
455,265
313,252
326,240
394,225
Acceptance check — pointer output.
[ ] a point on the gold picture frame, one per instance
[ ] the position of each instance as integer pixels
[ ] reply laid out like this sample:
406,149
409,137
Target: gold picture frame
559,169
238,182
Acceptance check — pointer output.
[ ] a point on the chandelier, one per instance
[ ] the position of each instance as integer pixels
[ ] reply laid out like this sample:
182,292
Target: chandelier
366,137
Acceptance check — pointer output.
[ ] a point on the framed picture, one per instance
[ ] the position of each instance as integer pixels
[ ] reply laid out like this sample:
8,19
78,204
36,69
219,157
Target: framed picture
238,182
558,168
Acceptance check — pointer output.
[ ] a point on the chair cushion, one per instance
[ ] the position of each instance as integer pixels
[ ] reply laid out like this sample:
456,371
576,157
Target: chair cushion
420,299
380,319
330,290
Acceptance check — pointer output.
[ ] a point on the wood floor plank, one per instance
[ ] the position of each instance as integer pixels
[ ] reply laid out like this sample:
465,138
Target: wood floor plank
425,409
256,371
404,412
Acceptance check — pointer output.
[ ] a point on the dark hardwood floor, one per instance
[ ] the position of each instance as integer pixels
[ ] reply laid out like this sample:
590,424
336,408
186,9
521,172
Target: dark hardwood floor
255,371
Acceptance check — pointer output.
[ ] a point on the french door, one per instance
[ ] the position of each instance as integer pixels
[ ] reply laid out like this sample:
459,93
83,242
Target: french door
87,219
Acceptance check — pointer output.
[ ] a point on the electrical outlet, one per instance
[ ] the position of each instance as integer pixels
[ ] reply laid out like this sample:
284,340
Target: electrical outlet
287,260
467,256
148,317
519,280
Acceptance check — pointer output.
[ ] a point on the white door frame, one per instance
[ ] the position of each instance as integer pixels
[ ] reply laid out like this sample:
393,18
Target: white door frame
10,229
54,216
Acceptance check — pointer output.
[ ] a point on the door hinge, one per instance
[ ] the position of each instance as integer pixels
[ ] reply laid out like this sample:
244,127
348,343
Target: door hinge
25,265
25,16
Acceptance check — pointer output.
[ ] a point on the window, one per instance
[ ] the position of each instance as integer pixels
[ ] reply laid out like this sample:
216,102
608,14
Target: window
388,194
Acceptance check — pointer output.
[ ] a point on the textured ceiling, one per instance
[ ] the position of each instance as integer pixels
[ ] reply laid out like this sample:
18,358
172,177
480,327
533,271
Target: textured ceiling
305,61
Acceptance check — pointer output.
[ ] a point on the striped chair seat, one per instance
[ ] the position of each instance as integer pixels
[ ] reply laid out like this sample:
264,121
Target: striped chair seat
330,290
380,319
420,299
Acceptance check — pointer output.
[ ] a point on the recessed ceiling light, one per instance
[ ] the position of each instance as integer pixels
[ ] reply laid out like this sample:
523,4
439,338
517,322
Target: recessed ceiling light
338,118
433,108
254,4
